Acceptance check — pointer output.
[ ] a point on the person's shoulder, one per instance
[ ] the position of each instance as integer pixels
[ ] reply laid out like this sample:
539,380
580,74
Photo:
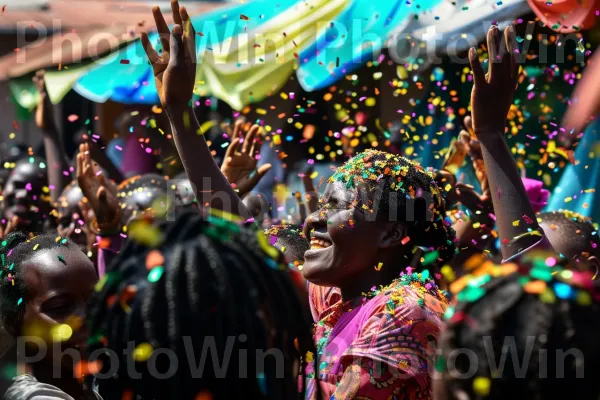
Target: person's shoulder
26,387
410,297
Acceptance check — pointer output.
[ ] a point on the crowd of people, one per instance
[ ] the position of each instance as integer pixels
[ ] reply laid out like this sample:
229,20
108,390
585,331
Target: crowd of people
400,283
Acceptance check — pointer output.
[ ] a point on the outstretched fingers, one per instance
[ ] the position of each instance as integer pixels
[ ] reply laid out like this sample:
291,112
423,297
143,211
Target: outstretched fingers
149,49
478,74
162,28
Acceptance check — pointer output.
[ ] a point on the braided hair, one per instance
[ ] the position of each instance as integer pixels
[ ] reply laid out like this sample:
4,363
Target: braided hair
15,250
211,289
516,330
399,184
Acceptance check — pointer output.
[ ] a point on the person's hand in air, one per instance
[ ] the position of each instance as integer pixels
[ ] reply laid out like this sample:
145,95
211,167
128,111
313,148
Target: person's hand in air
175,68
100,193
239,165
44,117
309,203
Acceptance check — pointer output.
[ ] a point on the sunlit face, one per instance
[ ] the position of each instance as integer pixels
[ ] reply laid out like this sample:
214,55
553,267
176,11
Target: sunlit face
59,283
344,238
23,192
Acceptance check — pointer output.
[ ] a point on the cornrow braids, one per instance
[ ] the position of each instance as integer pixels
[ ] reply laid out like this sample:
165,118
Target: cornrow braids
15,250
211,288
406,192
522,331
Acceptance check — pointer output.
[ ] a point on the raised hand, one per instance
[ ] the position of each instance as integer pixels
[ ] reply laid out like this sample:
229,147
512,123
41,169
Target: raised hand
311,196
175,69
239,166
44,117
100,194
493,92
473,148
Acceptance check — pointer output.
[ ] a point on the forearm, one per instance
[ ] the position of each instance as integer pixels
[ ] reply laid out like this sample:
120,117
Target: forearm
208,183
58,165
515,219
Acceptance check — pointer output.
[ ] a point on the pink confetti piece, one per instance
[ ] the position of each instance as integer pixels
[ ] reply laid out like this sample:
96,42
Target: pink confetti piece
72,118
119,148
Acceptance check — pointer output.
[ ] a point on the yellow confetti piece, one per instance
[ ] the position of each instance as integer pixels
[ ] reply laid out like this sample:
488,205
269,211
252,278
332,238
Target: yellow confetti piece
61,332
100,284
448,273
206,126
36,246
548,296
516,223
568,199
314,175
276,140
584,298
482,385
142,352
379,266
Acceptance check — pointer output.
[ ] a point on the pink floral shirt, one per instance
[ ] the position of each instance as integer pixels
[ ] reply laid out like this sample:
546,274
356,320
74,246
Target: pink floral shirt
378,347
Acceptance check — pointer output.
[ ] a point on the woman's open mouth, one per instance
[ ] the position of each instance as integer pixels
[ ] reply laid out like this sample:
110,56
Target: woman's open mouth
316,244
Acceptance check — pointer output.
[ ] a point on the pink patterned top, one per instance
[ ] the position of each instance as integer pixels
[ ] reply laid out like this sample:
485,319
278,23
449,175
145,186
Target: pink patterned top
381,345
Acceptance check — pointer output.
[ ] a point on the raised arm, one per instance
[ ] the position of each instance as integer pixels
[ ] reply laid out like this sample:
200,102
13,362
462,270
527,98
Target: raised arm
56,156
175,74
491,98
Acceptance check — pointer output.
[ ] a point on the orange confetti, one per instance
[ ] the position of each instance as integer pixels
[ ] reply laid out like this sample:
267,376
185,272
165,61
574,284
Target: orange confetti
85,368
204,395
535,287
154,259
242,16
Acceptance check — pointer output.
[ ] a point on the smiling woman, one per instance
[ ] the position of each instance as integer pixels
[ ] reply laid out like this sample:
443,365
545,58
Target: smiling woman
378,209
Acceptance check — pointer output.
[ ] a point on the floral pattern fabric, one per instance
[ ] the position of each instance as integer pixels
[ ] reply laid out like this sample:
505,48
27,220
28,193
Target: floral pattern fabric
381,346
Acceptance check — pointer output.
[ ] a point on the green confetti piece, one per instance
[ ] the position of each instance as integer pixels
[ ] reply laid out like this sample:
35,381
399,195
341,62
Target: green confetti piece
430,257
480,280
425,274
61,259
541,273
449,313
4,243
11,267
19,301
155,274
440,364
471,294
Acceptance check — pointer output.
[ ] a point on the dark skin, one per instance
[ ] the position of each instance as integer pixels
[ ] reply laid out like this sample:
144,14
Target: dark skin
73,209
175,76
57,294
491,98
56,155
356,248
23,194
